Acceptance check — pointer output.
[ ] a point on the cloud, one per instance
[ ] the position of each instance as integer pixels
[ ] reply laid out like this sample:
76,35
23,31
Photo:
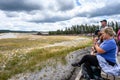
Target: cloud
97,9
86,9
29,5
65,4
49,17
50,20
11,14
109,9
55,14
18,5
38,11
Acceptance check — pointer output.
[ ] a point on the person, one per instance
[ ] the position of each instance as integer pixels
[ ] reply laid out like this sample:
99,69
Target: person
99,40
118,39
98,32
103,24
105,50
118,34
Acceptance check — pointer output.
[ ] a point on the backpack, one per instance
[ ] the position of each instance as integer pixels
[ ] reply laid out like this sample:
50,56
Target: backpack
95,72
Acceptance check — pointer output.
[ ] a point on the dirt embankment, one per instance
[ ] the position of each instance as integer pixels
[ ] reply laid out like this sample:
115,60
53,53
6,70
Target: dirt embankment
58,72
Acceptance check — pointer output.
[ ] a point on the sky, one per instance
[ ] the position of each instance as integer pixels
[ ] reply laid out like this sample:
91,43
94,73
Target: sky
50,15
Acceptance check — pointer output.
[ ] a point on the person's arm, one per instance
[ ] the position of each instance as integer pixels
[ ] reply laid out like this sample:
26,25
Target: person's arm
99,50
93,51
95,39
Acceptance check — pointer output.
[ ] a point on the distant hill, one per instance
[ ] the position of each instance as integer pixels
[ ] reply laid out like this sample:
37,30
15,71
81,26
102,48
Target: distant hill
7,31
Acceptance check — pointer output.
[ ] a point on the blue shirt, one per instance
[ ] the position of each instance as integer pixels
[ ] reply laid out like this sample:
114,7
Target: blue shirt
110,48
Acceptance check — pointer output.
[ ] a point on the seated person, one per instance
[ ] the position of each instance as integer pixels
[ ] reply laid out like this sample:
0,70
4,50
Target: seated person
97,40
107,49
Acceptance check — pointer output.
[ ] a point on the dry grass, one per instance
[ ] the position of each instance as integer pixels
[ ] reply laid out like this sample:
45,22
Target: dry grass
31,41
11,64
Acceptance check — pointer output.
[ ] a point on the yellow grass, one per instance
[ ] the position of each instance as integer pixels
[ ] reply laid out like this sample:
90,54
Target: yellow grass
31,41
34,59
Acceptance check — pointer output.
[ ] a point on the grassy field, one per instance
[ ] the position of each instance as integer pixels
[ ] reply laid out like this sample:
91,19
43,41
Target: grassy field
27,54
30,41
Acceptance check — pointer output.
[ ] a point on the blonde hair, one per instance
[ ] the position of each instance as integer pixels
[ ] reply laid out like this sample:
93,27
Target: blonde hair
109,31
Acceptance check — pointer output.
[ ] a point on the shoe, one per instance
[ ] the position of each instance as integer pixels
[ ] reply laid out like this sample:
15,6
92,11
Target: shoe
75,65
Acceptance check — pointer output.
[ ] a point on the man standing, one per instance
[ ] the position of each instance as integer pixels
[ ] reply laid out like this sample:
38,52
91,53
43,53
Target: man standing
98,32
103,24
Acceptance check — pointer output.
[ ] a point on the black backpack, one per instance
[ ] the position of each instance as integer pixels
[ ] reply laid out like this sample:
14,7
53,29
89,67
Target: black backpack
94,71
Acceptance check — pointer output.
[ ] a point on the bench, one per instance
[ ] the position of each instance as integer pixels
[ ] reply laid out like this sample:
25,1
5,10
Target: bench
80,76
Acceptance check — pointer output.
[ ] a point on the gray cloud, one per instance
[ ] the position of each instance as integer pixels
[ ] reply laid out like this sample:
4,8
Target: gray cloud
29,5
11,14
60,7
50,20
12,7
107,10
17,5
65,5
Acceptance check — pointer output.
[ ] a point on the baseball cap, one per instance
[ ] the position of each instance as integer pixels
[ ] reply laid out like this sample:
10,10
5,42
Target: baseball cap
103,20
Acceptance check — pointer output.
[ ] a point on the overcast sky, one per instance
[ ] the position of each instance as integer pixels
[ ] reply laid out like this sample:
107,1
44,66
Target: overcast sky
47,15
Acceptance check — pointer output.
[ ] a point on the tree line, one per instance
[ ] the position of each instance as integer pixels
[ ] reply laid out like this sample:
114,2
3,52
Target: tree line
83,29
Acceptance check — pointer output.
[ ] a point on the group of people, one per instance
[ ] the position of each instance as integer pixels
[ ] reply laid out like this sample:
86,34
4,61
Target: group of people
104,46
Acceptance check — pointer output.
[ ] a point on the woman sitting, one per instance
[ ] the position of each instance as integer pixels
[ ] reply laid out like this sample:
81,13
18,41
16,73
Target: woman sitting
107,50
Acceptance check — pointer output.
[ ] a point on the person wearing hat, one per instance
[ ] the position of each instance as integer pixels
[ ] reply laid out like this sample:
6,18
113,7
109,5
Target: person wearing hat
103,24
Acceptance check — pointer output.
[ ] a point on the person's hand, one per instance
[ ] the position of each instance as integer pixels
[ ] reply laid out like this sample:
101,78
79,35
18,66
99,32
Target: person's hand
92,48
92,53
96,44
95,40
